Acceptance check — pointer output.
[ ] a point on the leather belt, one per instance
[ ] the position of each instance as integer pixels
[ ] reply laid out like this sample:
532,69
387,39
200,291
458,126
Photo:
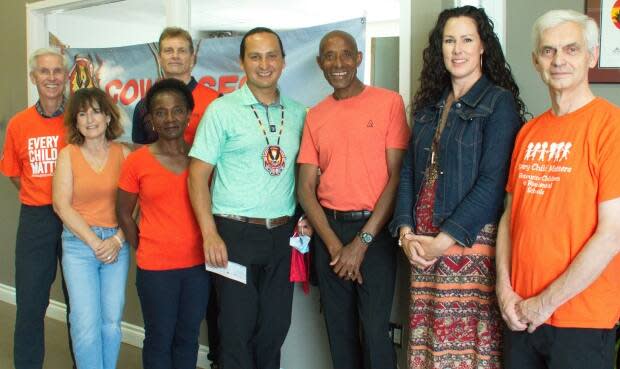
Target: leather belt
269,223
347,216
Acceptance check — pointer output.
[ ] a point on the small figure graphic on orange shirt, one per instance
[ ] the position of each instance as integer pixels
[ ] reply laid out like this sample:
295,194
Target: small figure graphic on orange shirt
543,151
529,152
566,151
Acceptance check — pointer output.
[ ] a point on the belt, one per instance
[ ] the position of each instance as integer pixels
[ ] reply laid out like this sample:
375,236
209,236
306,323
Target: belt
348,216
269,223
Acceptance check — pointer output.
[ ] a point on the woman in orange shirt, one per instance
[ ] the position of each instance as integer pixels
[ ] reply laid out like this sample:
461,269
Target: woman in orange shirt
172,282
94,261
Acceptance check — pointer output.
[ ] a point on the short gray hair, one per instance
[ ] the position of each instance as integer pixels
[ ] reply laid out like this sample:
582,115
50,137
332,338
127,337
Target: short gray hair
554,18
33,59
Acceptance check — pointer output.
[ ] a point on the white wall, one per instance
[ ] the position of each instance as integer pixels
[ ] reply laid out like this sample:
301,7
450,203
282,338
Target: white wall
79,31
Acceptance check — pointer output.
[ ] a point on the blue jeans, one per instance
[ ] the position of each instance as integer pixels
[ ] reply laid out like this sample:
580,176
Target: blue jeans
173,306
97,293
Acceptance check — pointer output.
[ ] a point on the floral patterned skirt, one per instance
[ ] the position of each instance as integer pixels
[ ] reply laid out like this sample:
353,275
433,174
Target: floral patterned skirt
454,319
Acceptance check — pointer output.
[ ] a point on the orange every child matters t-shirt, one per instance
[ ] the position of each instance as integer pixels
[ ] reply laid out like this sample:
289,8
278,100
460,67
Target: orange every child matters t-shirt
169,235
562,168
30,151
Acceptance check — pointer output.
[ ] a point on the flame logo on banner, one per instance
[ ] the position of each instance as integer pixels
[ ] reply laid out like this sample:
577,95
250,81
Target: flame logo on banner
83,74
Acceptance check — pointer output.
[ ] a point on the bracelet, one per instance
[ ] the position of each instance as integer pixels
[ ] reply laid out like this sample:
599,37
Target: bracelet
400,239
120,242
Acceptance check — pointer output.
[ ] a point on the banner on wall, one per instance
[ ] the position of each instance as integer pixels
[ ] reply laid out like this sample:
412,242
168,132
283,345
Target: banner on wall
126,73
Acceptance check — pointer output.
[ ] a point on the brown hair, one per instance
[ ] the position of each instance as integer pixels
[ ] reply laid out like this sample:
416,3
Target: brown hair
81,100
173,32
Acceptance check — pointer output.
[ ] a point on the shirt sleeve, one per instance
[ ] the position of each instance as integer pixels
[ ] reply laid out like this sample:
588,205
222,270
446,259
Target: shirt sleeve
398,130
210,136
308,152
128,180
609,159
10,164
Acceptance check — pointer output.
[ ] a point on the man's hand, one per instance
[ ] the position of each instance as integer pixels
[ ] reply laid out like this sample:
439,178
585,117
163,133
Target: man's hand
534,312
347,262
508,300
215,250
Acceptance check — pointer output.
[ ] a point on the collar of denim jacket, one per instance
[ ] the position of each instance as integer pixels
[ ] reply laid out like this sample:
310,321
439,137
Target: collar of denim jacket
472,97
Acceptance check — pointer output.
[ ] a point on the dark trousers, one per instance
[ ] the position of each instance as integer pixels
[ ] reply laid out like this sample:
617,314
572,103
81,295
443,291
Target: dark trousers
173,305
213,332
38,250
617,351
255,317
347,304
559,348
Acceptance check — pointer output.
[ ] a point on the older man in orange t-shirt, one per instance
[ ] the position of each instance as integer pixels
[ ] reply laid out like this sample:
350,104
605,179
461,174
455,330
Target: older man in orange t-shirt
33,138
558,269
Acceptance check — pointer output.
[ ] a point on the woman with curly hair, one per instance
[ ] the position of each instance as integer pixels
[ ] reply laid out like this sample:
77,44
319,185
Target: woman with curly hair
466,115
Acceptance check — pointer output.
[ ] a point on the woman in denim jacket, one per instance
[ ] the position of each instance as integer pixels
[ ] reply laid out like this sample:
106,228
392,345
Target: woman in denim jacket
466,115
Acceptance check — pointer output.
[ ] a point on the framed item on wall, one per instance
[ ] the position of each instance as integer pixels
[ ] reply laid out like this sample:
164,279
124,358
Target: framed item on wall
607,14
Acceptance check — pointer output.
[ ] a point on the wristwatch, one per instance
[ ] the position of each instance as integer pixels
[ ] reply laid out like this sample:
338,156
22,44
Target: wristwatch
366,238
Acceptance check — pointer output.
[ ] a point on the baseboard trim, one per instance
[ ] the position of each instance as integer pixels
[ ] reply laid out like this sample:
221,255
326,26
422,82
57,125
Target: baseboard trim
132,334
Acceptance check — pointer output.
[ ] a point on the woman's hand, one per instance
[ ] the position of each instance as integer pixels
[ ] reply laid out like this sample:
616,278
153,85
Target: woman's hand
413,249
433,247
107,250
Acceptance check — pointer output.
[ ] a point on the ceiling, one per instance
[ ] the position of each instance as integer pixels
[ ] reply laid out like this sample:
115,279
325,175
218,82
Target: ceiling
284,14
240,15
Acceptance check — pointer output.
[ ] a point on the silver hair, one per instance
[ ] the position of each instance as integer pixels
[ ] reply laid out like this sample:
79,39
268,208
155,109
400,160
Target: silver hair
33,59
554,18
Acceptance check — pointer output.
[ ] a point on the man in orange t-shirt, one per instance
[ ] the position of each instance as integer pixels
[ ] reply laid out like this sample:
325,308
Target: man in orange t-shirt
177,59
558,269
357,137
33,139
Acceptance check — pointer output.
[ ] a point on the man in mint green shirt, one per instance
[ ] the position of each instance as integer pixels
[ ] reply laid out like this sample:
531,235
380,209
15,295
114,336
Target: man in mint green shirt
252,137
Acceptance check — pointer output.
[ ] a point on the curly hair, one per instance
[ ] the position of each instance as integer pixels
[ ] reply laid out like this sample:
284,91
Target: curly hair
81,100
435,78
169,85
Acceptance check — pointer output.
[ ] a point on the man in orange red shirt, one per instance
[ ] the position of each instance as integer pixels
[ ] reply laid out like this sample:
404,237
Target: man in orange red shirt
558,270
357,137
33,138
177,59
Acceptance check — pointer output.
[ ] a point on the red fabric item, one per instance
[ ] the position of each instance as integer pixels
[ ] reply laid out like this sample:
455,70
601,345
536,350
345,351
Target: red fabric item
300,271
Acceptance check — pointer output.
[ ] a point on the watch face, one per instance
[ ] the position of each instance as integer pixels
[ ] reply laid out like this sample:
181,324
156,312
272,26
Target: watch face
366,237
